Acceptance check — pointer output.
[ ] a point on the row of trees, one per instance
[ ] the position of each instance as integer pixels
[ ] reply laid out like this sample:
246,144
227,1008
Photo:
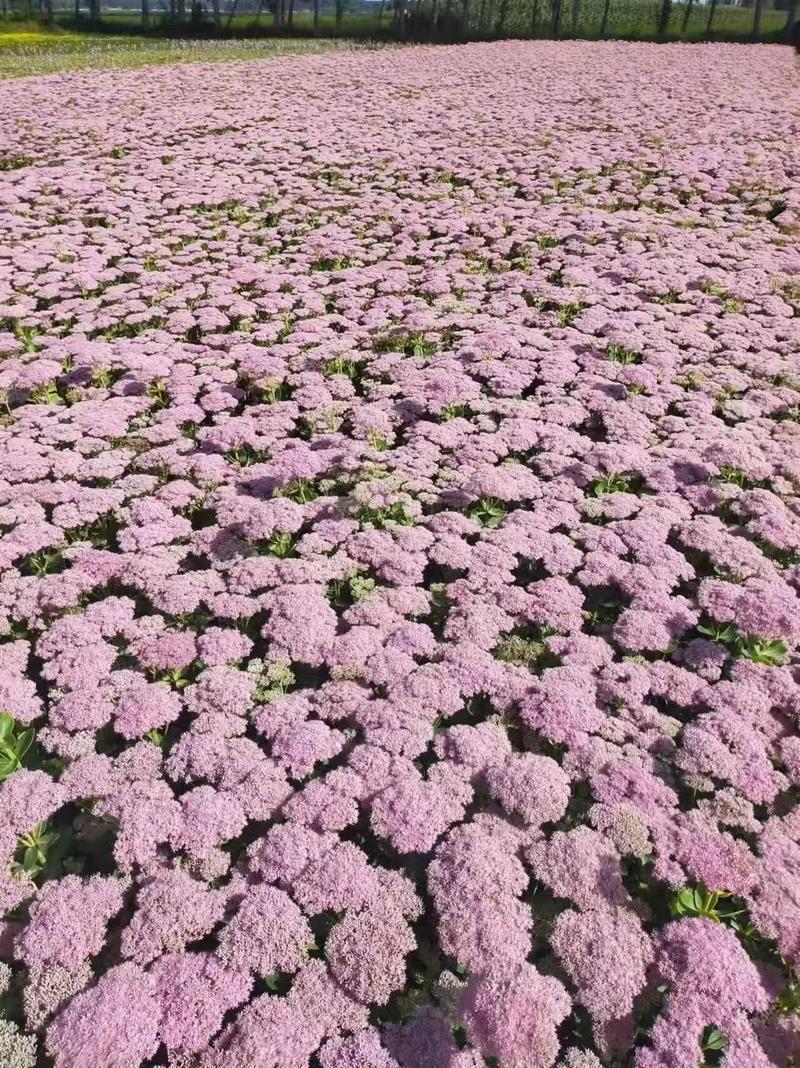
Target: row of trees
189,12
463,19
454,19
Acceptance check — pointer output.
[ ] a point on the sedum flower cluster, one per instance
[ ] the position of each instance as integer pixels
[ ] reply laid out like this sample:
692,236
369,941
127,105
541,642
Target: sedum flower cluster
400,562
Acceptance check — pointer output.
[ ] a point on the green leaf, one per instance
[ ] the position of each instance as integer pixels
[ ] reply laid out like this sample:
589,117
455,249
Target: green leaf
24,742
772,652
718,632
684,902
789,1001
30,860
715,1040
6,725
8,765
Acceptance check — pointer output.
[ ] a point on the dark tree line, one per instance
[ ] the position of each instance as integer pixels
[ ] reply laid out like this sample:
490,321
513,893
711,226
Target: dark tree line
412,20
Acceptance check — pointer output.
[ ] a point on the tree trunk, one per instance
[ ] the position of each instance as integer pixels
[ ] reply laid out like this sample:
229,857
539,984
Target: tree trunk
711,13
417,28
181,11
758,9
482,17
686,17
316,18
791,15
604,19
464,17
216,12
555,26
534,17
291,15
576,13
45,12
94,10
404,19
339,14
380,14
231,14
500,26
145,12
664,17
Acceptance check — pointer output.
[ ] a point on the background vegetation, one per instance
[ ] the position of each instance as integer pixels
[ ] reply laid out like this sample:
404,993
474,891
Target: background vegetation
34,51
169,30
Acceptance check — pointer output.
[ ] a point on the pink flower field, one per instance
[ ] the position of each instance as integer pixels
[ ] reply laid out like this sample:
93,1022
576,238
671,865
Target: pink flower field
400,561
